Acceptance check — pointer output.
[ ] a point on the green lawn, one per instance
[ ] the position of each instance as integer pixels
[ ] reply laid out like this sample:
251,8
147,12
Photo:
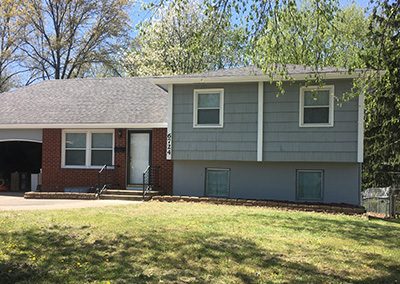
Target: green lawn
195,243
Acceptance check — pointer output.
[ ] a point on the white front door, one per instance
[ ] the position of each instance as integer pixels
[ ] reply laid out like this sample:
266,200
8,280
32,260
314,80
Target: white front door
139,154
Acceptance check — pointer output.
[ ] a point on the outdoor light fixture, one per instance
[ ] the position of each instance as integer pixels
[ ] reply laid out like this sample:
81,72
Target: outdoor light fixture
119,133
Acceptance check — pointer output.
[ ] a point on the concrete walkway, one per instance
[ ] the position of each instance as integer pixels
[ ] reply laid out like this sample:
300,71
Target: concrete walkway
16,201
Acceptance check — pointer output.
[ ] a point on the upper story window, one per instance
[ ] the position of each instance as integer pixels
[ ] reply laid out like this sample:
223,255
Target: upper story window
316,106
208,108
86,149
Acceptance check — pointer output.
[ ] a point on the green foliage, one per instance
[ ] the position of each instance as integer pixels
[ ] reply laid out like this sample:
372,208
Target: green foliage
382,132
12,30
316,34
183,38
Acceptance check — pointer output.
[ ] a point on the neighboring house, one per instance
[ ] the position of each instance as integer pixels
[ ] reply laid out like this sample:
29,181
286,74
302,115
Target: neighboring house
71,128
230,135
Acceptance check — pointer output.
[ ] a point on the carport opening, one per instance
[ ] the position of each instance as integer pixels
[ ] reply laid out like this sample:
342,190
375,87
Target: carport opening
18,161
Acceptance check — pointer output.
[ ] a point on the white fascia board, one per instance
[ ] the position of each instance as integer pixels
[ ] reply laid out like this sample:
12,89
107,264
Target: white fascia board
85,126
21,140
252,78
260,121
360,130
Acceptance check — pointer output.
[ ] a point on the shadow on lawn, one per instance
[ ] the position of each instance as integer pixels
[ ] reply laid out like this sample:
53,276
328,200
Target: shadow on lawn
67,254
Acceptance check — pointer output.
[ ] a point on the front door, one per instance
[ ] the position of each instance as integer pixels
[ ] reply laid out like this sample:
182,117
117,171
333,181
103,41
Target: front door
139,156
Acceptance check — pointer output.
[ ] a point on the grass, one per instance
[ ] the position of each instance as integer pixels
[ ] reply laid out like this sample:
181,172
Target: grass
195,243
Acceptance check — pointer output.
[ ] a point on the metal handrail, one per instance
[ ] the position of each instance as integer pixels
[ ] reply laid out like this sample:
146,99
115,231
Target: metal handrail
146,180
150,179
100,188
102,169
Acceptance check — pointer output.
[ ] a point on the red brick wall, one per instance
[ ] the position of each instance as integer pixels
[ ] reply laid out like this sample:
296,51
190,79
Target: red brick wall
55,178
159,145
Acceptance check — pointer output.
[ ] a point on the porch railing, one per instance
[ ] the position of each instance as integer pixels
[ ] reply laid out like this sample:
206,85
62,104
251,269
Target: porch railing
151,179
103,179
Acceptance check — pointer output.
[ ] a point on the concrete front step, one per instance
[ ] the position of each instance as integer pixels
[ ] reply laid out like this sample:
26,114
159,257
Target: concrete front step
130,192
123,197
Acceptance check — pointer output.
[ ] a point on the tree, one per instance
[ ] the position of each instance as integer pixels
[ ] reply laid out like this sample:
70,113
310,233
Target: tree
299,36
314,33
184,39
66,37
12,30
382,128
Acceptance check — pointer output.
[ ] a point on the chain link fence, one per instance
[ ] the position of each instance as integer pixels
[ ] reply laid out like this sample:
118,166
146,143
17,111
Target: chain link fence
382,201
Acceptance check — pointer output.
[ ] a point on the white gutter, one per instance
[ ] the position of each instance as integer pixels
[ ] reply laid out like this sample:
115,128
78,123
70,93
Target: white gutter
251,78
85,126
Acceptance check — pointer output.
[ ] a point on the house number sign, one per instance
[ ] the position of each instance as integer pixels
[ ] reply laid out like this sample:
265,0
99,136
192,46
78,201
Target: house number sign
169,146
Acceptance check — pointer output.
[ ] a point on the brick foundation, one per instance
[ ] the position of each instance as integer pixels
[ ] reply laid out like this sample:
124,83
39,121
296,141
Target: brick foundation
56,178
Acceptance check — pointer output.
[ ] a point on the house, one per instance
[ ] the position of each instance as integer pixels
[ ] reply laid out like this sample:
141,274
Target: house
224,133
70,129
230,135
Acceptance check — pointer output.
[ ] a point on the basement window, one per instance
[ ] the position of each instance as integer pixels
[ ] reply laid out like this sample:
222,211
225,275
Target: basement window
309,185
87,148
217,182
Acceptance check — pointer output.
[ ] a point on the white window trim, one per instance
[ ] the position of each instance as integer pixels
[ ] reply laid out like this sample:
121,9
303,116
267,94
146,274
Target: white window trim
221,108
360,129
168,150
331,90
322,185
218,169
260,121
88,148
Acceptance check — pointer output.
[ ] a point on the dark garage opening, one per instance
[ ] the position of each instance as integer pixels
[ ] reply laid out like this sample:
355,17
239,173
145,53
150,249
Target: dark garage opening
18,160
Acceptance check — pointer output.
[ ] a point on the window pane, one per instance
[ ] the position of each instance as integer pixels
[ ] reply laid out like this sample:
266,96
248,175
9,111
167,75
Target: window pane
75,140
208,100
316,98
208,116
217,183
75,157
101,157
309,185
102,140
316,115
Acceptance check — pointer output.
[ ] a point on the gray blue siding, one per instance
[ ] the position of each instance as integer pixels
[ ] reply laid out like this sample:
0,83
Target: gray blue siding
269,180
285,140
237,140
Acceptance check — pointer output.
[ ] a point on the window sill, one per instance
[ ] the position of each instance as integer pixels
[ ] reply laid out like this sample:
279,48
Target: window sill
208,126
85,167
315,125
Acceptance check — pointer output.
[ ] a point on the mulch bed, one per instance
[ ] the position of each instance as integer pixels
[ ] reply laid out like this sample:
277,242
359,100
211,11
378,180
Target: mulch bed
314,207
59,195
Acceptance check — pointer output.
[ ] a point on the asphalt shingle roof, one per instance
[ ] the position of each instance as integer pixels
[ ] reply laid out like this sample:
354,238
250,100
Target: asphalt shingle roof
85,101
108,100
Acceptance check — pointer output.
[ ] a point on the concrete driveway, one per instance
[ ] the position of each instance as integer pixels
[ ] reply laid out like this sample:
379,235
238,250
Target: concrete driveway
16,201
